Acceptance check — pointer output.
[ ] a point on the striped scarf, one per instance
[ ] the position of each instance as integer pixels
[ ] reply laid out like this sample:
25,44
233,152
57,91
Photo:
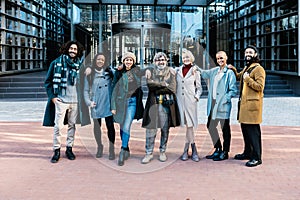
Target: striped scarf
60,73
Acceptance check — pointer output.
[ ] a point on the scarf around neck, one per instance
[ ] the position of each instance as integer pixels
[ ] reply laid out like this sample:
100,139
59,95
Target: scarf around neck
60,78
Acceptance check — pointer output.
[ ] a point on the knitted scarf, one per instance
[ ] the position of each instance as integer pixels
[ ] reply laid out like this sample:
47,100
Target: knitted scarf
60,73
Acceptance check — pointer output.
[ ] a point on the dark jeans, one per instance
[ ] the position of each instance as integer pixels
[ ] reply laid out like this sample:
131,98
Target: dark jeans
213,131
110,130
252,140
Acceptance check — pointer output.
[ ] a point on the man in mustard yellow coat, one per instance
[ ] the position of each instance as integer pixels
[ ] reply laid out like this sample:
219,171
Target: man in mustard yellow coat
252,83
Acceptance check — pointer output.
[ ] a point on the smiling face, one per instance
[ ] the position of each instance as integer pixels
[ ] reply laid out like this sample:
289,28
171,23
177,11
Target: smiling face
250,54
221,58
128,62
161,62
186,59
73,50
100,61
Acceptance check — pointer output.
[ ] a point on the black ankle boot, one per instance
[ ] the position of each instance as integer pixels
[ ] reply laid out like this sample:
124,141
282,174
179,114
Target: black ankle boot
99,151
69,153
111,155
216,153
55,156
126,153
223,156
121,157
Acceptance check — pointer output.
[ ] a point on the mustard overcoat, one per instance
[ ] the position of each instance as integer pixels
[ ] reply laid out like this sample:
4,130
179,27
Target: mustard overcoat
251,101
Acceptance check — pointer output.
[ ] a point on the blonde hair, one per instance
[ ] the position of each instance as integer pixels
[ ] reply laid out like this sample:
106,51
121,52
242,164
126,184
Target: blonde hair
189,53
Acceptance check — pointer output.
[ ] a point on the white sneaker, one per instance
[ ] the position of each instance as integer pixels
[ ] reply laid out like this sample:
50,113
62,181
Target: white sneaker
147,158
162,157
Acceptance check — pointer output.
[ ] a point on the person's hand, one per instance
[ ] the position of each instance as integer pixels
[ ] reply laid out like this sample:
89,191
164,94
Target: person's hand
113,112
88,71
230,66
245,75
147,74
93,104
120,67
54,100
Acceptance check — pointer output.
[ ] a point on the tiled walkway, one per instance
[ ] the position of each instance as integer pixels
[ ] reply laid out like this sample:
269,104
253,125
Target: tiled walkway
27,174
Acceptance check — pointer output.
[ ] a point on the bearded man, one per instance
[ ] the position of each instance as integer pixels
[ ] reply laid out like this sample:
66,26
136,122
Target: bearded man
252,83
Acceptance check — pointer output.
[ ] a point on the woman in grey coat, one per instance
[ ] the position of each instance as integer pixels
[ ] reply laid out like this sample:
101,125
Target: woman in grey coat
188,93
97,95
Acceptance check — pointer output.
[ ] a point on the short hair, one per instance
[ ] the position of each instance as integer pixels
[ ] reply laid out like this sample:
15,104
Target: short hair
256,58
158,55
219,52
64,49
189,53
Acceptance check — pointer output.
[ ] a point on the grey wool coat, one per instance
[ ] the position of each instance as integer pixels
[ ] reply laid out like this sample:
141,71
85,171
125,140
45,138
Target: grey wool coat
98,90
49,116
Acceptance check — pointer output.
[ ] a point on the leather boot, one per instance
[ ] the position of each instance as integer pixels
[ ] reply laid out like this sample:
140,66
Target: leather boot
126,153
185,155
121,157
55,156
99,151
223,156
216,153
111,155
69,153
195,156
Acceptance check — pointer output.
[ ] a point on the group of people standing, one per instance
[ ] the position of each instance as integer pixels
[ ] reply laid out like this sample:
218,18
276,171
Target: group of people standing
77,93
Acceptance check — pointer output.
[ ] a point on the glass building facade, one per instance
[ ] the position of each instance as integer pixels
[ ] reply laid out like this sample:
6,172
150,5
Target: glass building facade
22,35
33,30
271,25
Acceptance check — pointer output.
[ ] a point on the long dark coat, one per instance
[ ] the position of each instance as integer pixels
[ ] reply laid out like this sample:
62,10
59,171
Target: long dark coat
49,116
120,91
157,88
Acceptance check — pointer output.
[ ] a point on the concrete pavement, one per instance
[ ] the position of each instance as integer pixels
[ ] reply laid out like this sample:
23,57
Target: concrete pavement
26,172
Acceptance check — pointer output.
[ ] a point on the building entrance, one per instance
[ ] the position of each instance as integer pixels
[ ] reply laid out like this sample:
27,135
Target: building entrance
144,39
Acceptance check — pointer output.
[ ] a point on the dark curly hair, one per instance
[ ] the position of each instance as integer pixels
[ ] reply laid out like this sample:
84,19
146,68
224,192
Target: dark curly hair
106,67
64,49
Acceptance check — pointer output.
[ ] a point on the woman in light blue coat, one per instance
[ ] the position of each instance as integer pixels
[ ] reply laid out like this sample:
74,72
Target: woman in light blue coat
97,95
221,89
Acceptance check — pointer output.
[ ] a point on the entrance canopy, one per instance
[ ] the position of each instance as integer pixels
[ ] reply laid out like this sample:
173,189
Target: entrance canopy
146,2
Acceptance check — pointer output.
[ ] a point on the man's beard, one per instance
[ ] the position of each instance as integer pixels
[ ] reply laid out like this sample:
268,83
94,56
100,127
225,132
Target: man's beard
249,61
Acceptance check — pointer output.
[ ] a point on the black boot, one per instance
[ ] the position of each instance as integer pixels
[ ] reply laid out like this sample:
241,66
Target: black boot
195,156
111,151
185,155
69,153
126,153
121,157
55,156
223,156
99,153
215,154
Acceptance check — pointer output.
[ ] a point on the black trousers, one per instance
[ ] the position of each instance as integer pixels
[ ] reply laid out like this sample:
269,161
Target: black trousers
252,140
111,133
213,131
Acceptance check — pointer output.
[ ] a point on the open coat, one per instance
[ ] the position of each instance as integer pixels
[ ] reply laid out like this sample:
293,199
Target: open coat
49,116
120,91
251,99
226,90
165,86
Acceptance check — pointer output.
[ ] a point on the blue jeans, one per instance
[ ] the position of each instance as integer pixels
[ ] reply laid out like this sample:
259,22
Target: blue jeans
129,116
